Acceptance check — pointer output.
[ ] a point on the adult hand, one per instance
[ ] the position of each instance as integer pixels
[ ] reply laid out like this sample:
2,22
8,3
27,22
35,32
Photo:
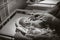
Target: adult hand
20,36
30,35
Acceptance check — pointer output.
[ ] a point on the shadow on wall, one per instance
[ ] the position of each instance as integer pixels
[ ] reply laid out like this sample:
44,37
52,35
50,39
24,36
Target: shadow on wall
21,3
16,4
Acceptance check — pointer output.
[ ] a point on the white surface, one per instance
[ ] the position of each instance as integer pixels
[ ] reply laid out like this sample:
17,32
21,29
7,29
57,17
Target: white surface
9,28
49,2
41,5
45,4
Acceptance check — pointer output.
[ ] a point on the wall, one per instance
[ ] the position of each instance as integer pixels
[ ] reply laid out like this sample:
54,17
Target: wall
7,7
14,4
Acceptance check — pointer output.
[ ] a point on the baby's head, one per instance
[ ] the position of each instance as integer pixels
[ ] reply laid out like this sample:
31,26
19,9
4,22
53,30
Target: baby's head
24,21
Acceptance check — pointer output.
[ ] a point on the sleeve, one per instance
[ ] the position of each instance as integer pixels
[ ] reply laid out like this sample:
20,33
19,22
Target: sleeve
54,11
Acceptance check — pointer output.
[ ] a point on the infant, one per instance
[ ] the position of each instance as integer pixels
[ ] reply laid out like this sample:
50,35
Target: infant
29,26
